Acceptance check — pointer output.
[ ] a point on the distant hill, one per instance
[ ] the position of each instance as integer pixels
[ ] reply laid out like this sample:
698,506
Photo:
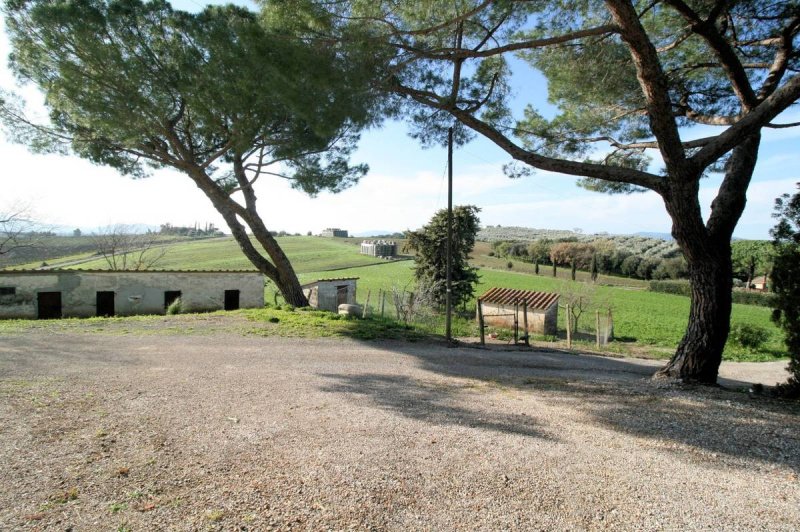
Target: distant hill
646,246
662,236
372,233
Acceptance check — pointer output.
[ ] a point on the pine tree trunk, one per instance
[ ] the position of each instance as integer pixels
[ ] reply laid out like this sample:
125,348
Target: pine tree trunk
707,249
699,353
280,270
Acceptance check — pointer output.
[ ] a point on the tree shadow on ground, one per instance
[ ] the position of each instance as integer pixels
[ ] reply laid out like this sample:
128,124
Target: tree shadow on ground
437,403
617,394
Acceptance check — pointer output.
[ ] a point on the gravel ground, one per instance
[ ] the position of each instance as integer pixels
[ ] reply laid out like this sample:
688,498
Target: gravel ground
226,432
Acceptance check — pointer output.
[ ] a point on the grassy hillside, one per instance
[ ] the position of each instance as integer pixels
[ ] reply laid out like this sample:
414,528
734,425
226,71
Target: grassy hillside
307,253
641,318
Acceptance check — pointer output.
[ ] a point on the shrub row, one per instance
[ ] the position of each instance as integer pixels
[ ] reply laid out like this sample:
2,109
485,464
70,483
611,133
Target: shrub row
681,288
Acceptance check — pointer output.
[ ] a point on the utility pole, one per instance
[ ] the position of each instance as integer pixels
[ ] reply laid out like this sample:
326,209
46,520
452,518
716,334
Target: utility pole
449,267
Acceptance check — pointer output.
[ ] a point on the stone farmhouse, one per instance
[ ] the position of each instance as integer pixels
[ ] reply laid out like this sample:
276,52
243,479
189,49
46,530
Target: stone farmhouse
47,294
332,232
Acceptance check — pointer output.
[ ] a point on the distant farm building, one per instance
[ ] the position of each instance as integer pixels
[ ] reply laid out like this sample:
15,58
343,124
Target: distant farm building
501,306
47,294
760,283
328,294
379,248
332,232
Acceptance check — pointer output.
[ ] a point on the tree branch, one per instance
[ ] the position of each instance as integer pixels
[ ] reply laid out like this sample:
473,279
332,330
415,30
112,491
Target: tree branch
652,80
723,50
609,173
781,61
759,117
464,53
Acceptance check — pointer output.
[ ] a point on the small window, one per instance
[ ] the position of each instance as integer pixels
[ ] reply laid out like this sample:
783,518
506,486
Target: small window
7,290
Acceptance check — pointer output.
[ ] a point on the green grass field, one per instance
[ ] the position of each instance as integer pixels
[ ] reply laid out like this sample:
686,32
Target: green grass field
307,253
641,318
643,321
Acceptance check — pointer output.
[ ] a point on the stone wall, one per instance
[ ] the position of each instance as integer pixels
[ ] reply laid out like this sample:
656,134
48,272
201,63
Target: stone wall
324,294
540,321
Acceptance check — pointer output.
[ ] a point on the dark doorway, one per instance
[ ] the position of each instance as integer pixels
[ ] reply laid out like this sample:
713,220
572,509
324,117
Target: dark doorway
49,305
105,304
170,296
231,300
341,295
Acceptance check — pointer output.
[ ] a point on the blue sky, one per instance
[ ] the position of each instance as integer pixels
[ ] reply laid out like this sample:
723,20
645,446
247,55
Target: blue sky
404,187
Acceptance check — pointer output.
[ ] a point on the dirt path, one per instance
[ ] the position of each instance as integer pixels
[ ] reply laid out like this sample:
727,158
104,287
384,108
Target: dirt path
102,432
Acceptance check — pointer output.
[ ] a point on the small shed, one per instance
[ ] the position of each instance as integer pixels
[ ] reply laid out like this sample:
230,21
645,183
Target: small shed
46,294
328,294
760,283
501,306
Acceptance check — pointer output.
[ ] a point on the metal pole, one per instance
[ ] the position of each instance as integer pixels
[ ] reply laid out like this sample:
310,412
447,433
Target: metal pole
449,278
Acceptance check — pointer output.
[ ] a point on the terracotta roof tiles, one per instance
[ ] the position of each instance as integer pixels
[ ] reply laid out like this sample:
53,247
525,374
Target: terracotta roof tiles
509,296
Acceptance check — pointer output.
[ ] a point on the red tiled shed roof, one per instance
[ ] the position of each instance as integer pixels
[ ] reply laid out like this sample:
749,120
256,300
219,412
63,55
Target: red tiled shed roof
508,296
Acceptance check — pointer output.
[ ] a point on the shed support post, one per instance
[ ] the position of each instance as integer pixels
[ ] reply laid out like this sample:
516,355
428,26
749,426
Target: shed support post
525,323
481,326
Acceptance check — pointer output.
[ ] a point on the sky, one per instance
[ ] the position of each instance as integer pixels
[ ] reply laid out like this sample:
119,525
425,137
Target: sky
405,186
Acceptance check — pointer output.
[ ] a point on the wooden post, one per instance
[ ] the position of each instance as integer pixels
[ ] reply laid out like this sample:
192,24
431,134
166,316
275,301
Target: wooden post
610,326
525,322
366,304
569,327
516,322
383,301
480,322
399,305
597,327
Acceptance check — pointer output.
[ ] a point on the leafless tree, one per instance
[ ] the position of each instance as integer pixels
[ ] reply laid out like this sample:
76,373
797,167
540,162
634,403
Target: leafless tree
578,298
125,248
16,229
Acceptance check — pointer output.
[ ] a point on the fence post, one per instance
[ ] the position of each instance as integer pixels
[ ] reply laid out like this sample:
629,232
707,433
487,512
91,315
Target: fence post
597,327
366,305
383,301
480,321
569,327
516,321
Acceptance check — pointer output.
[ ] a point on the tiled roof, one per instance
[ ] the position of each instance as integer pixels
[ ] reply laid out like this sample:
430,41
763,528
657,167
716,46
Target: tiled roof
331,280
508,296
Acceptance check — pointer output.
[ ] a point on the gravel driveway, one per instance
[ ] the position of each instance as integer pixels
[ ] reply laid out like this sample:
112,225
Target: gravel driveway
226,432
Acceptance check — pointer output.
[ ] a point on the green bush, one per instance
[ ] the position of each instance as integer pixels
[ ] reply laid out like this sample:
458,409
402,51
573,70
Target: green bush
748,336
176,307
761,299
678,288
682,288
